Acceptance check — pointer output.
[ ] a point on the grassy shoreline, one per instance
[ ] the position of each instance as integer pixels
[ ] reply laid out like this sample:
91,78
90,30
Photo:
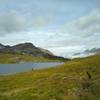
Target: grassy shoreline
69,81
18,58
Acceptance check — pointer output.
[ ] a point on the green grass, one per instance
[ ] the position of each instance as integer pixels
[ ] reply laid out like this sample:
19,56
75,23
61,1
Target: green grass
18,58
65,82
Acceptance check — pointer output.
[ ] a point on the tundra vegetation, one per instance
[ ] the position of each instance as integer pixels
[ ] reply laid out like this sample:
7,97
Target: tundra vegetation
78,79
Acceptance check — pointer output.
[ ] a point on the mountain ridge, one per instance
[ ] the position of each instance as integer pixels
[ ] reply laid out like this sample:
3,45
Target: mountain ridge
28,48
92,51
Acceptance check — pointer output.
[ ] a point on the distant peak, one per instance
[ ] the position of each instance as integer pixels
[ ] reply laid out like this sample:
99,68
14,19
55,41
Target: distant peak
1,44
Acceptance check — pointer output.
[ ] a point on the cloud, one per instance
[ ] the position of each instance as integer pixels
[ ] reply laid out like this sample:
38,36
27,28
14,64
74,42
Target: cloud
51,24
14,22
82,32
84,26
42,21
66,51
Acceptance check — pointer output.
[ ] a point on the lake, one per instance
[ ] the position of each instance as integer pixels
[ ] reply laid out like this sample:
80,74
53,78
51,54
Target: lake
7,69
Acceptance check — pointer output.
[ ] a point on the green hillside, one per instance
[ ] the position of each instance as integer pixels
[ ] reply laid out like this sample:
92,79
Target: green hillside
6,58
78,79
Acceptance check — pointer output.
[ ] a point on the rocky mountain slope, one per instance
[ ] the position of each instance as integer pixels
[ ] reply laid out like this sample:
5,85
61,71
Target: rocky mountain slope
28,49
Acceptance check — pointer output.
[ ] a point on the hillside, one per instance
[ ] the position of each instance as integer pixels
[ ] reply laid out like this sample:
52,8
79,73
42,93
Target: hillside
18,58
77,79
26,52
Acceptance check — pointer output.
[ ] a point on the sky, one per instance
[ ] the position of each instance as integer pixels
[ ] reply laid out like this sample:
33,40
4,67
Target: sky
64,27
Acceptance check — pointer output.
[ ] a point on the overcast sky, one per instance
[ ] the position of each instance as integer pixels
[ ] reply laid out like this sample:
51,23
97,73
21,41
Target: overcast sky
62,26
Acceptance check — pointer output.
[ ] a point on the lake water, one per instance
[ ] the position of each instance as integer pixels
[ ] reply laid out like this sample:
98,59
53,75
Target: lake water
6,69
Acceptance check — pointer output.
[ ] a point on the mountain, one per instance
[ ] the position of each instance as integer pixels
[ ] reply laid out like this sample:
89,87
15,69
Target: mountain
28,49
87,52
2,46
46,51
93,50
